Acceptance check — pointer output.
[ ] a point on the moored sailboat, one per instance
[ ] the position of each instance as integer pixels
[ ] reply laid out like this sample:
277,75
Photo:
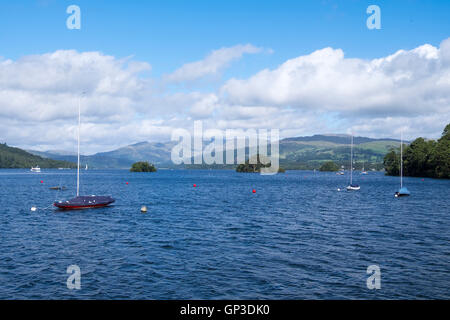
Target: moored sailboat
363,171
82,202
403,191
352,186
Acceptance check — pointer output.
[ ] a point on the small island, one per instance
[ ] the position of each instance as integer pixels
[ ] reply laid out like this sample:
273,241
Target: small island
142,166
248,167
329,166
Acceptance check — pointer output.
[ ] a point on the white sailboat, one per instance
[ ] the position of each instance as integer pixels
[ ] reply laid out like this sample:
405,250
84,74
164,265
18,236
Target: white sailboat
363,171
351,186
403,191
35,169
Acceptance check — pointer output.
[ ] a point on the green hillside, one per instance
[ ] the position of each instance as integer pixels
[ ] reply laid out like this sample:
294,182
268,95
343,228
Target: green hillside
11,157
295,153
313,152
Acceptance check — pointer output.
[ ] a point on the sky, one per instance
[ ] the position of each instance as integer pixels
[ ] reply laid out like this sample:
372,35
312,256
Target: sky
149,67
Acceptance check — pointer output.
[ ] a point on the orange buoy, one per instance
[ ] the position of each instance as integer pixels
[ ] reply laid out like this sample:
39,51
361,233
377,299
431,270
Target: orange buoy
195,186
42,181
254,191
126,182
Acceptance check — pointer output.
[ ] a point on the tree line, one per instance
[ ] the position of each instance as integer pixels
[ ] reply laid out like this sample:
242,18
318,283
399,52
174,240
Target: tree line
422,158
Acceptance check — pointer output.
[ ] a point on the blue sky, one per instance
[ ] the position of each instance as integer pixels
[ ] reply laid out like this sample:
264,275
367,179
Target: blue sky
149,67
169,33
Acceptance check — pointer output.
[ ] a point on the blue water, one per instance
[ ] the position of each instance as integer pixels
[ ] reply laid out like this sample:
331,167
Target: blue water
297,237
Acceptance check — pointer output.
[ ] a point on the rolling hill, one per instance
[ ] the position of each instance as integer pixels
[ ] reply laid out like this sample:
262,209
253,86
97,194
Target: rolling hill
311,152
11,157
295,153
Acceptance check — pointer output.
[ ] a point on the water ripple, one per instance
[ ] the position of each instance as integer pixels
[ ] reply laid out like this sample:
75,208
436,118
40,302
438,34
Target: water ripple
297,237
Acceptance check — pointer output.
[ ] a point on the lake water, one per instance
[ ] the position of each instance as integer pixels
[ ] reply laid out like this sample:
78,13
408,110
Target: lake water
297,237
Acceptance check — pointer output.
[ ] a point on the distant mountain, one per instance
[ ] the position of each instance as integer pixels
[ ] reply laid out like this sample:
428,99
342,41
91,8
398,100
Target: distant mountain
153,152
295,153
11,157
122,158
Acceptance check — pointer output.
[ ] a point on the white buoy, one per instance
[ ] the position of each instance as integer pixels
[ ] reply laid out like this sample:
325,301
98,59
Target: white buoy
33,209
144,209
339,189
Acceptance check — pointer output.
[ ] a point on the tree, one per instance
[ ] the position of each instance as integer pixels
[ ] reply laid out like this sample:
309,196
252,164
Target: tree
441,157
329,166
418,158
142,166
392,163
256,167
446,132
422,158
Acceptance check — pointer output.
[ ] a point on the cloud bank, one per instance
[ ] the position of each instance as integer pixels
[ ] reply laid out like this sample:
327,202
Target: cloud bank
320,92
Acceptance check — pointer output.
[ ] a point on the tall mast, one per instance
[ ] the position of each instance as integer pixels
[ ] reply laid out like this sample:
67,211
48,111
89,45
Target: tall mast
401,160
79,128
351,162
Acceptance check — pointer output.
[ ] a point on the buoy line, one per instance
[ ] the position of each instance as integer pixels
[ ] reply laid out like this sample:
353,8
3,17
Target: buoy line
34,208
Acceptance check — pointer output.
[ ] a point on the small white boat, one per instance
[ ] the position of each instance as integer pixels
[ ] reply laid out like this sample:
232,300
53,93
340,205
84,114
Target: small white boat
363,171
35,169
351,186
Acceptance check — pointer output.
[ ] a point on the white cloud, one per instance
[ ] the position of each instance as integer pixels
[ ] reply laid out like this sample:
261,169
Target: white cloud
39,98
212,64
315,93
46,87
414,82
205,106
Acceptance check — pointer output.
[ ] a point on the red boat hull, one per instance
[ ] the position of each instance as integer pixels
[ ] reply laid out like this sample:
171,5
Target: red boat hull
64,207
84,202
